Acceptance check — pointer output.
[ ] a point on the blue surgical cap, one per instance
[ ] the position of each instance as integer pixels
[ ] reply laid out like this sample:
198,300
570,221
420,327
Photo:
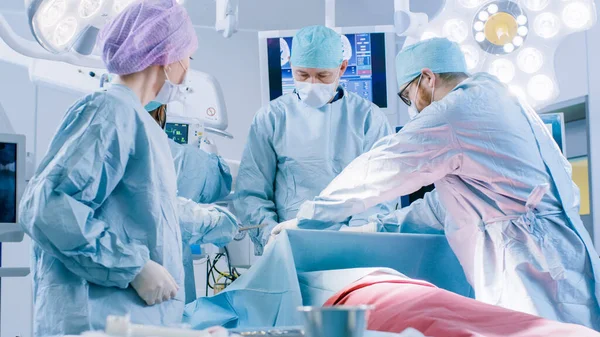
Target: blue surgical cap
438,54
152,106
317,47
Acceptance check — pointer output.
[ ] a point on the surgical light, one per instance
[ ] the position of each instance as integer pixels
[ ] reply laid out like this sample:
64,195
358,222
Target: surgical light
471,56
52,12
536,5
120,5
65,30
470,3
503,69
517,91
546,25
428,35
456,30
62,25
478,26
480,37
88,8
516,40
523,31
530,60
541,87
576,15
483,16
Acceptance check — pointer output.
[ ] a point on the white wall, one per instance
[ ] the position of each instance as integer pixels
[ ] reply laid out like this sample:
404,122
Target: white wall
236,68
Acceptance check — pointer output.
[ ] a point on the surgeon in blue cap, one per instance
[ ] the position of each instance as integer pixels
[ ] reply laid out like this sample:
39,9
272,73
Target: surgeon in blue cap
202,178
300,141
503,194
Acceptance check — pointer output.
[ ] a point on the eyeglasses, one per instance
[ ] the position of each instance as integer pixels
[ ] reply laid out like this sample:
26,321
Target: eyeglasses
405,99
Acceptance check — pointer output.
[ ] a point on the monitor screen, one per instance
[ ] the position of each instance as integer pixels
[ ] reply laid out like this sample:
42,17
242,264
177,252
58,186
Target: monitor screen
556,126
365,76
178,132
8,182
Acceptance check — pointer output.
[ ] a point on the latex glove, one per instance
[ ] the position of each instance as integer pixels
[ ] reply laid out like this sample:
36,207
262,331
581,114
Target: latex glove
371,227
270,241
154,284
290,224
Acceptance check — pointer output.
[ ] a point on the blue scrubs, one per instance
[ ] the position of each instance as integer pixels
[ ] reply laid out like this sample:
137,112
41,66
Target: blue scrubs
294,151
101,204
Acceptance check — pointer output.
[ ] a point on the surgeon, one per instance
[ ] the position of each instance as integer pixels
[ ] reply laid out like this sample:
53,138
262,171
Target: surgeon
101,209
202,178
299,142
503,191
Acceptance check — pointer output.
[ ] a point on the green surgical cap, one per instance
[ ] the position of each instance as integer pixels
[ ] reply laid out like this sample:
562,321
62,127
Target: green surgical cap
438,54
317,47
152,106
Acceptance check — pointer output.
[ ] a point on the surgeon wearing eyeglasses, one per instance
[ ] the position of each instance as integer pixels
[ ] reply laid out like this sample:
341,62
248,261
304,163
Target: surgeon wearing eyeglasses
299,142
503,194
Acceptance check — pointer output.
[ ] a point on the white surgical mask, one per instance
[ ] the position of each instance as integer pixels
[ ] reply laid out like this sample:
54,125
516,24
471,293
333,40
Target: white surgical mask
316,95
412,109
171,92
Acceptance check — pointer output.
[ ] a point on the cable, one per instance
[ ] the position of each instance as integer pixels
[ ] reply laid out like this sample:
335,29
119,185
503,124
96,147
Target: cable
229,263
207,273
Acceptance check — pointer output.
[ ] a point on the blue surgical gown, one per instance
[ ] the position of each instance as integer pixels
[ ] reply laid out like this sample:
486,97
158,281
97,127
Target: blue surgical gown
202,178
294,150
101,204
510,210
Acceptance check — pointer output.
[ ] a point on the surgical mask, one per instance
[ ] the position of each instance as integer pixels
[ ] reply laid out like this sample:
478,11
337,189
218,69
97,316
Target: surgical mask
316,95
170,92
412,109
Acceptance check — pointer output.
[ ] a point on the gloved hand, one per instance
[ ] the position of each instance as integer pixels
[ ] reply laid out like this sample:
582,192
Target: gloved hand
154,284
270,241
290,224
371,227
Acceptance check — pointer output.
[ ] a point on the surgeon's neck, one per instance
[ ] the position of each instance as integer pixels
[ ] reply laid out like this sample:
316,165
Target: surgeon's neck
447,87
140,84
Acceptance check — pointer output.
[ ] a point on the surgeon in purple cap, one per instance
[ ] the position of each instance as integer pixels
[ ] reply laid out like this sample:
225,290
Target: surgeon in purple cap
101,209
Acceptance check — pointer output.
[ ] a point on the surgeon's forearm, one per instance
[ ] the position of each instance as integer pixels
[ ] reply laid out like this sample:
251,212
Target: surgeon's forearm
102,267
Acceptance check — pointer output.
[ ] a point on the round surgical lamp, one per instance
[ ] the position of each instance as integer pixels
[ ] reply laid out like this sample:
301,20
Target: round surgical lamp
514,40
64,25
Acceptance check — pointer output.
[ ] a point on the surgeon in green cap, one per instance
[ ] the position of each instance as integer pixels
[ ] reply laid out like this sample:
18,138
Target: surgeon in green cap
300,141
503,194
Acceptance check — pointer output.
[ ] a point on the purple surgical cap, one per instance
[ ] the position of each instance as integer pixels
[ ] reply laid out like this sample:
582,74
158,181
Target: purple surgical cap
147,33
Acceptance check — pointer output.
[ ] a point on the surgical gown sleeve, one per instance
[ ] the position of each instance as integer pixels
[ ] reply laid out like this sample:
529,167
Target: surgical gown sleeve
205,224
254,202
201,176
424,151
423,216
376,128
62,199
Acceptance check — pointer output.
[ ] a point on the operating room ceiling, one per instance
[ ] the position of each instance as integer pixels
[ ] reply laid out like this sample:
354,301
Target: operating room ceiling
257,15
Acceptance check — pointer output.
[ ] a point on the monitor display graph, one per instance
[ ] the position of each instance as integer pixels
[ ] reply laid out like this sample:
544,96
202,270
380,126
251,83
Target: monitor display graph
178,132
8,183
